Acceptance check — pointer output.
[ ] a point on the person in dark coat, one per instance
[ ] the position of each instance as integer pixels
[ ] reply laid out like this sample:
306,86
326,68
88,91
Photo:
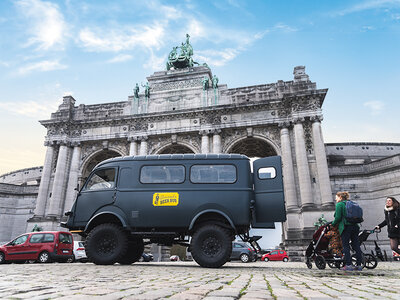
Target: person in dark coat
392,221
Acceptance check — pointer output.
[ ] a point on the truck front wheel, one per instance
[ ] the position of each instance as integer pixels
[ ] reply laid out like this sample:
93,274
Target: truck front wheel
106,244
211,246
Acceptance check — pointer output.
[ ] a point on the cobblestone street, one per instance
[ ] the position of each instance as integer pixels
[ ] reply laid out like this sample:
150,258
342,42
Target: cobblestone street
186,280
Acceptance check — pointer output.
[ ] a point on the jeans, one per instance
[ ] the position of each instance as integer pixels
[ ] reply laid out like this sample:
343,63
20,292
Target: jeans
350,233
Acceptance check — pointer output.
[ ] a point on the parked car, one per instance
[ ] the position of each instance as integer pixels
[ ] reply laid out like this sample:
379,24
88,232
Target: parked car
242,251
280,255
79,252
146,257
43,247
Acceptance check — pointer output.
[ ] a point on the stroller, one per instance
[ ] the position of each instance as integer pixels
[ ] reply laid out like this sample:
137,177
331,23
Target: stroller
318,252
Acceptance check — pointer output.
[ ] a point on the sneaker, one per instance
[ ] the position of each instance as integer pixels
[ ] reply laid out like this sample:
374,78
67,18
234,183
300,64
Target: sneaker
358,268
348,268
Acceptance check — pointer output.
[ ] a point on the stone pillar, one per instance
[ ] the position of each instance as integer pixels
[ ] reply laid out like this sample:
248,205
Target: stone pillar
322,165
143,145
287,166
73,177
205,142
133,149
43,193
303,171
216,147
59,178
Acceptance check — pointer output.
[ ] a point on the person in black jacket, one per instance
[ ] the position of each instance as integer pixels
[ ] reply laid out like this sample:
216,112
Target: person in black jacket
392,221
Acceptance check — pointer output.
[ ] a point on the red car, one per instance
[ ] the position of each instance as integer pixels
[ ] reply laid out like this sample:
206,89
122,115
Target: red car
280,255
45,246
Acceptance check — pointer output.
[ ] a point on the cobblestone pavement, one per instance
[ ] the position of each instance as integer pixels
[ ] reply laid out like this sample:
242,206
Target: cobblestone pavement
186,280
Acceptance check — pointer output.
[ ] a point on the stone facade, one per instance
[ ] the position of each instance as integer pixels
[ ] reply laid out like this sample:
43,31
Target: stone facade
184,116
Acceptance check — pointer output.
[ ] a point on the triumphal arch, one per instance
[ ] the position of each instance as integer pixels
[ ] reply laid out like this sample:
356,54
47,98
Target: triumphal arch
184,109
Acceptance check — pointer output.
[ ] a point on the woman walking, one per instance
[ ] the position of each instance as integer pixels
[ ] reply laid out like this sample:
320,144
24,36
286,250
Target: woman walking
392,221
348,232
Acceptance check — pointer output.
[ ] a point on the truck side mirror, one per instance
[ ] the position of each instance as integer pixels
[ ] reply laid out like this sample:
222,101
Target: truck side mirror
77,187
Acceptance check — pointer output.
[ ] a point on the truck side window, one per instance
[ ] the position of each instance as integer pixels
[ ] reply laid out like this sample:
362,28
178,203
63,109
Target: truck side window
102,179
266,173
162,174
213,174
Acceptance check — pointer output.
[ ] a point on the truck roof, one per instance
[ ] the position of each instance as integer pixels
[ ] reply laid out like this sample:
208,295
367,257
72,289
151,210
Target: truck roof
175,157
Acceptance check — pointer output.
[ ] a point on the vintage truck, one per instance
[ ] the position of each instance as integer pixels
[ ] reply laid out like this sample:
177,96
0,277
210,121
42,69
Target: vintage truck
201,201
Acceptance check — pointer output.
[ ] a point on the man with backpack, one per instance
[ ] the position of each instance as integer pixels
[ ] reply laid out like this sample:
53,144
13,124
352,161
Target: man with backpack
347,216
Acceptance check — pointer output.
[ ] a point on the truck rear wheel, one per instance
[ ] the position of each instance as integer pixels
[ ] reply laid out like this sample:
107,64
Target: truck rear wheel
106,244
211,246
134,252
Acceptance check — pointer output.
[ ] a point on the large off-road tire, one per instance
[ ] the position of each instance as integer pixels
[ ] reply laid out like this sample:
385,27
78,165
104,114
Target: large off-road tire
106,244
44,257
2,258
134,252
211,246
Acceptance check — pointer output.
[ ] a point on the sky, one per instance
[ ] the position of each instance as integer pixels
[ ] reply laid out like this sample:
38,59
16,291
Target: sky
97,51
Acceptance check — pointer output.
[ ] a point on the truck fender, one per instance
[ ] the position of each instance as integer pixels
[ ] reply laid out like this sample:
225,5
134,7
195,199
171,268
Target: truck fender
212,211
121,219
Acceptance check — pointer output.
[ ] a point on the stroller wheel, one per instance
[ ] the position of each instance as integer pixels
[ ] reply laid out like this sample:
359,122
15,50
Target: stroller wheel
308,263
320,262
370,261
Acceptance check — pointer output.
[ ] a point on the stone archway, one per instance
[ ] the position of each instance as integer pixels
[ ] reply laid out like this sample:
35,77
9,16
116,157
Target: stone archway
94,159
175,148
253,147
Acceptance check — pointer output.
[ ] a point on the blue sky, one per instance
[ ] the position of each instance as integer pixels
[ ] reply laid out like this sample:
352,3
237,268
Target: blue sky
97,51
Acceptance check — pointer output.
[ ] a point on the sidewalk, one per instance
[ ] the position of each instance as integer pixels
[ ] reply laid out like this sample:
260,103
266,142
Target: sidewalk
186,280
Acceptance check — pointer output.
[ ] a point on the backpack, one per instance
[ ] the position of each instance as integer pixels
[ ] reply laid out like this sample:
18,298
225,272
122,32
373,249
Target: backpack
354,213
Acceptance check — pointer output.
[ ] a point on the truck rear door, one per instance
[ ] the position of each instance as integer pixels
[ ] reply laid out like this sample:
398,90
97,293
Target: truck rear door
269,199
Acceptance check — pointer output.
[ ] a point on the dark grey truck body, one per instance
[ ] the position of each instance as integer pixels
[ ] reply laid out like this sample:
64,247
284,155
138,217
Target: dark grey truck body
168,198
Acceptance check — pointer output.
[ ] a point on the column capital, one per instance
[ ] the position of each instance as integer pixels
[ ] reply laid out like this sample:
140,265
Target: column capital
133,138
298,120
216,131
49,143
204,132
75,144
63,143
143,138
316,118
285,124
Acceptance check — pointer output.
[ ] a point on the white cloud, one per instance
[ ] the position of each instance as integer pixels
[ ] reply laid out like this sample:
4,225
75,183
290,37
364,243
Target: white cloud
120,58
46,24
32,109
154,62
115,40
376,107
368,5
42,66
217,57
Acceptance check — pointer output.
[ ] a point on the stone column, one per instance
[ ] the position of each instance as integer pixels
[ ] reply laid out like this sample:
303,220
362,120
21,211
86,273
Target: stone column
322,165
287,166
73,177
216,147
143,145
43,193
133,149
59,178
303,171
205,142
